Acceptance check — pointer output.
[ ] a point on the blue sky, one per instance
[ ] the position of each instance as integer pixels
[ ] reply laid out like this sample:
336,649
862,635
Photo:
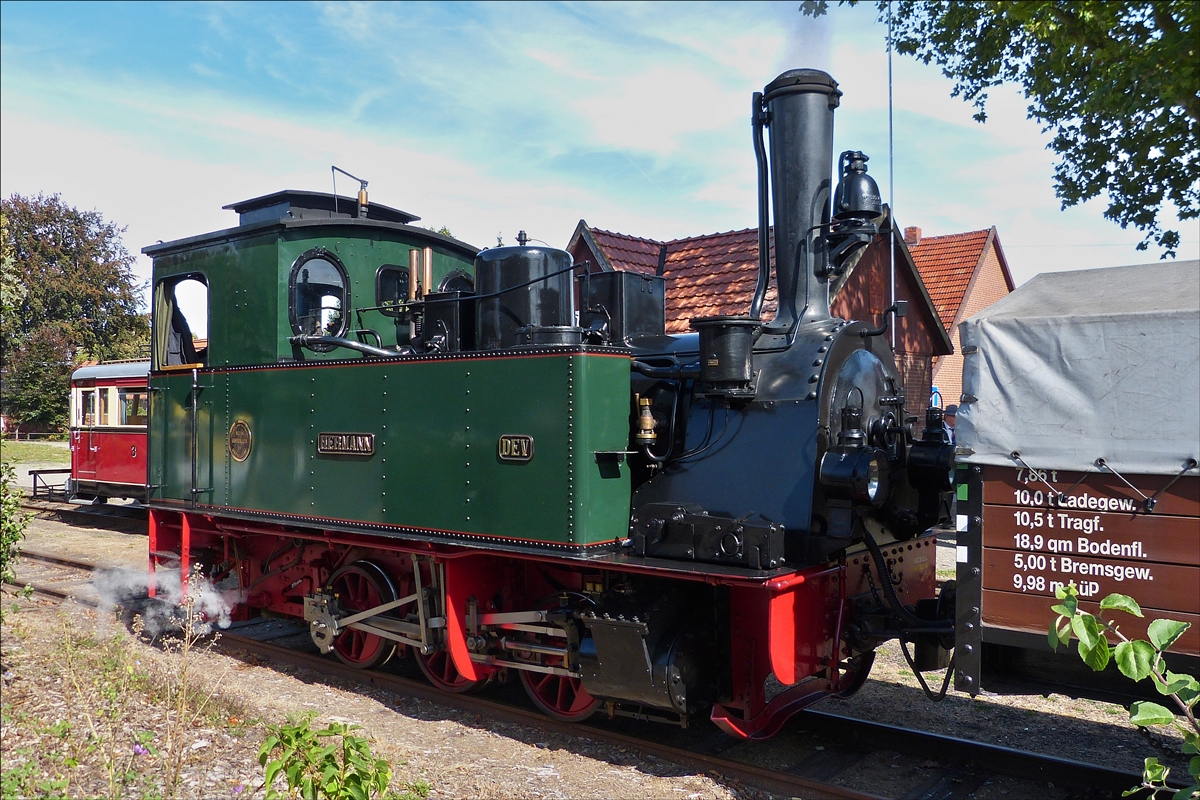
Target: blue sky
489,118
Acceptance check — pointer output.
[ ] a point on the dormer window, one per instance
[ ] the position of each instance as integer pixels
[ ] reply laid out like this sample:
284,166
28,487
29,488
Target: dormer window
318,295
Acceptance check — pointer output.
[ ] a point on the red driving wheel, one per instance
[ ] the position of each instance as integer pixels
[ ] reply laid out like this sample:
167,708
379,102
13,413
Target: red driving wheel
559,696
439,669
360,586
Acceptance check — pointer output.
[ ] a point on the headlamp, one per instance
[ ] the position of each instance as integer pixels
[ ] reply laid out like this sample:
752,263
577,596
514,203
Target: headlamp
856,474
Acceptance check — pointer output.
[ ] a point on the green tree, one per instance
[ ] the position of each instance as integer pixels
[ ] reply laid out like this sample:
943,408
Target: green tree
13,520
37,378
1116,82
12,290
67,293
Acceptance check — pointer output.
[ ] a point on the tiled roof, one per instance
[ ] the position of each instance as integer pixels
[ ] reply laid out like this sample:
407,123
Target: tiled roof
946,264
712,274
706,275
717,274
628,253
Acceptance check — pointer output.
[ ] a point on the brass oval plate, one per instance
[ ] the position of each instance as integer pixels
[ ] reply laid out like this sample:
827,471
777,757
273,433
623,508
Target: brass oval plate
240,440
515,447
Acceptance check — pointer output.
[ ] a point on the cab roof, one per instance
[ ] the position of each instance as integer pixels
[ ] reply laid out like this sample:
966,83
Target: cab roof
294,204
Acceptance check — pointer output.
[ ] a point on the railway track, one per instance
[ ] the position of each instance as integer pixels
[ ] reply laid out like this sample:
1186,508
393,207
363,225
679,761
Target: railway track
110,516
815,756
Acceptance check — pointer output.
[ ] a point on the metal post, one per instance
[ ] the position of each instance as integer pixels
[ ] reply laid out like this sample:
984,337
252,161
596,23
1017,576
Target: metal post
891,183
195,433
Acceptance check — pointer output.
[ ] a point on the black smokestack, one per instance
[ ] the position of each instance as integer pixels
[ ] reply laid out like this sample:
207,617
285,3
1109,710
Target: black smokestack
799,105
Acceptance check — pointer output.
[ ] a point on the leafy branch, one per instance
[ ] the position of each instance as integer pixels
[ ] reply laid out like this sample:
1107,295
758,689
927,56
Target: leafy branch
1137,659
332,763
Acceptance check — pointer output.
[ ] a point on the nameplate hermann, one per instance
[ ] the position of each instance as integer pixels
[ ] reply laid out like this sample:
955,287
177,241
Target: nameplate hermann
346,444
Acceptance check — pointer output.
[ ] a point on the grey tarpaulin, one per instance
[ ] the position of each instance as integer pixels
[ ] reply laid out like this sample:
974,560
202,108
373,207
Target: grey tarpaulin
1076,366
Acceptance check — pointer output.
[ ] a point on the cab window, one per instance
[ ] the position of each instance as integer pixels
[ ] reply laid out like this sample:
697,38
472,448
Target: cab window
318,295
391,288
181,322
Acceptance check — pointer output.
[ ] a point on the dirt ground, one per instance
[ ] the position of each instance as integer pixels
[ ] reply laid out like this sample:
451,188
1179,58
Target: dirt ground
52,655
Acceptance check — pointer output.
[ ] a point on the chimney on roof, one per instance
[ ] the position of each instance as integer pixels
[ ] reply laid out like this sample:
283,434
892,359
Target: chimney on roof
912,235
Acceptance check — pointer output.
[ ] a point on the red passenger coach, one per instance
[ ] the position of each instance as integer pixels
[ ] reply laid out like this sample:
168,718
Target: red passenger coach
109,406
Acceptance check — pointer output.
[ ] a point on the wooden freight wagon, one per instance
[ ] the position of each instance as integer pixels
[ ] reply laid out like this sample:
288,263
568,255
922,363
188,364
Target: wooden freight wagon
1078,438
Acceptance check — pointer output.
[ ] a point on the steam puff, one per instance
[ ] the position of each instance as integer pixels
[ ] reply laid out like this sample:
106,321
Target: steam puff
211,604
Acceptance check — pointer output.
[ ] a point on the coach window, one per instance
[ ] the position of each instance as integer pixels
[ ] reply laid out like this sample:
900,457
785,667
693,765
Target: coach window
87,407
104,418
181,322
317,292
134,405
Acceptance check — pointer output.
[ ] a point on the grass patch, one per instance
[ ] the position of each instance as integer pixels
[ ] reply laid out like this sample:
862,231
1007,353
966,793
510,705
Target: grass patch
111,718
33,452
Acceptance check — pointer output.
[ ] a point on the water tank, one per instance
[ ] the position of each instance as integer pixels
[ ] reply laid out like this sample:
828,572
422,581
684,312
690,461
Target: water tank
526,298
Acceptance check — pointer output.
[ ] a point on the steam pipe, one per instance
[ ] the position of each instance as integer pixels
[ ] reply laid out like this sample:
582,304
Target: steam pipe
428,259
414,272
758,118
307,340
414,277
679,371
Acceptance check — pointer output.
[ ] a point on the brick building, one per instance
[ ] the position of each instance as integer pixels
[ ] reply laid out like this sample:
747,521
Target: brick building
717,274
965,273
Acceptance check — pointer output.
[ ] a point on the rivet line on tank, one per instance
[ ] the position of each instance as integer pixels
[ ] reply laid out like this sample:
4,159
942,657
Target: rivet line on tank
570,450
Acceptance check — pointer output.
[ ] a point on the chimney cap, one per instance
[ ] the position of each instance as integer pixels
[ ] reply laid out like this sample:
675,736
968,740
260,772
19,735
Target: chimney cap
803,81
912,235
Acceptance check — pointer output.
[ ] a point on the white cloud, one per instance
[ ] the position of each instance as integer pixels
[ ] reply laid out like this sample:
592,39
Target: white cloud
498,118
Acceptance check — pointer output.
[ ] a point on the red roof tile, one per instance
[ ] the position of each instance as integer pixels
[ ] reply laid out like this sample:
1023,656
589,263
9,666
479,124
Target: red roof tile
946,264
712,274
629,253
706,275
